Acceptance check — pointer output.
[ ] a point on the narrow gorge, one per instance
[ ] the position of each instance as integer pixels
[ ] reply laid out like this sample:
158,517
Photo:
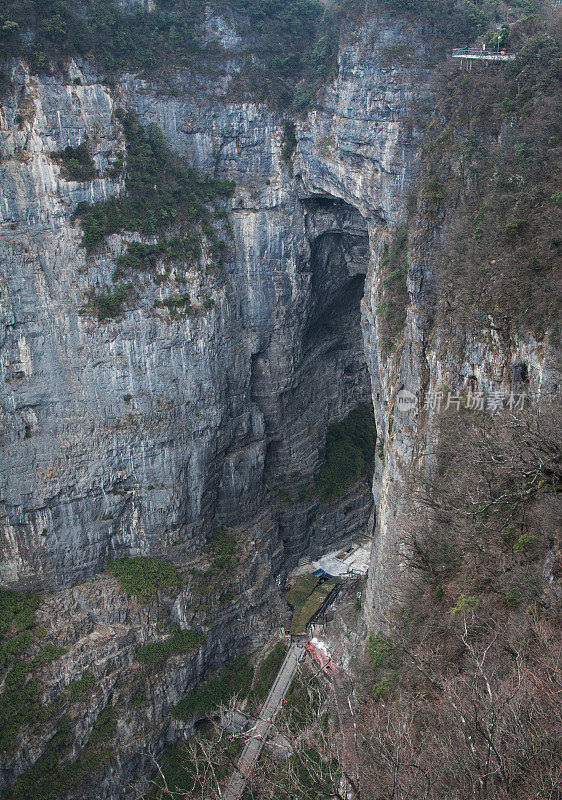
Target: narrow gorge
174,377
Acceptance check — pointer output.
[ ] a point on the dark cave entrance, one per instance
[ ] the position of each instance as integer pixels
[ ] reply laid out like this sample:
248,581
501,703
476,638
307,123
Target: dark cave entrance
330,380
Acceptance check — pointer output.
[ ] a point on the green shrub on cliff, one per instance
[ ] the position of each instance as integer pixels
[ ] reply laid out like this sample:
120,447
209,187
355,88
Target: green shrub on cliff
21,692
82,688
267,672
350,450
457,21
223,547
52,775
179,642
17,610
144,576
51,652
140,256
76,162
159,192
379,650
104,726
14,646
101,30
234,678
19,703
287,40
162,196
177,304
391,311
289,140
111,303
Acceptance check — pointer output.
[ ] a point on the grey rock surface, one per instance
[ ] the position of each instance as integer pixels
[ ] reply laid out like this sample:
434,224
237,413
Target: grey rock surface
143,434
226,405
228,409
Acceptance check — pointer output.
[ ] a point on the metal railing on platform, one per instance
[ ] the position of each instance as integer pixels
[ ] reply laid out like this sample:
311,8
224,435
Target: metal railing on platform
482,55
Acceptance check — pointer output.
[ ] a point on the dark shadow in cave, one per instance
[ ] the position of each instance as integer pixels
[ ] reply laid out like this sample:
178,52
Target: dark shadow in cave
330,379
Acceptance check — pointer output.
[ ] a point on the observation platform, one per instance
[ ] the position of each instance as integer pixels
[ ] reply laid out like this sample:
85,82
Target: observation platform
476,54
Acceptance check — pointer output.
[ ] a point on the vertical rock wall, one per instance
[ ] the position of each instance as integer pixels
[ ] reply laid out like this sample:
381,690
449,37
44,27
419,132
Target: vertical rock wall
226,408
142,434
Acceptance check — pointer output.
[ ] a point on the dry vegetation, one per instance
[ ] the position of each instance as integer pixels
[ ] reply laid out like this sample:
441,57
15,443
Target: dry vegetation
303,763
491,183
463,698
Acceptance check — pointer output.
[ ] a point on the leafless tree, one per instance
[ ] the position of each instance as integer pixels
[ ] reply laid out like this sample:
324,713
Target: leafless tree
304,764
469,680
463,700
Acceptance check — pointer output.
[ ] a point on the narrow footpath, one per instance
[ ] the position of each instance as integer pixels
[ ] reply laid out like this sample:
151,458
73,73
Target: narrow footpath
253,747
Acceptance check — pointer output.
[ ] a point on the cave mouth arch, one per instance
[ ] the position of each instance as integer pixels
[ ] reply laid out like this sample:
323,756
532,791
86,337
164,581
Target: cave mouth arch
330,379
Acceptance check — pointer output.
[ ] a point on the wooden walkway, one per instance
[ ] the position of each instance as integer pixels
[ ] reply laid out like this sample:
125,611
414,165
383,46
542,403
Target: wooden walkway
253,747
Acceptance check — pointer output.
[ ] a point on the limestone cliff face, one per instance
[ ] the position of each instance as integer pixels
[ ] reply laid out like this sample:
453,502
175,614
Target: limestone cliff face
224,408
143,434
434,359
101,631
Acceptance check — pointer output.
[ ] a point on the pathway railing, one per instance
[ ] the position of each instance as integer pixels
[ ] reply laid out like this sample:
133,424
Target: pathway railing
476,53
